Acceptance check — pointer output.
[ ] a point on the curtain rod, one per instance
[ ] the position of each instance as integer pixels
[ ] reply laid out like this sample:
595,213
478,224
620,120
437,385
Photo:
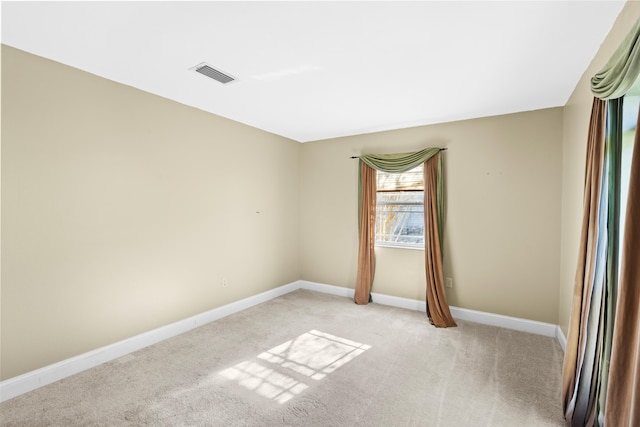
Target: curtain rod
357,157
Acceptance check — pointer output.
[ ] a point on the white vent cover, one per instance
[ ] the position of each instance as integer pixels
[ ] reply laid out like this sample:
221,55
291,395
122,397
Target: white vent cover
217,75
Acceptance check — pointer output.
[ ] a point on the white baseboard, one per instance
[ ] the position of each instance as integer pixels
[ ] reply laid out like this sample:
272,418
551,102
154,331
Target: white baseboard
524,325
507,322
40,377
326,289
561,339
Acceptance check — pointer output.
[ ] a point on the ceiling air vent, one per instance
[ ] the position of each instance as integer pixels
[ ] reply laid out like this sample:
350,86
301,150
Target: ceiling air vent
211,72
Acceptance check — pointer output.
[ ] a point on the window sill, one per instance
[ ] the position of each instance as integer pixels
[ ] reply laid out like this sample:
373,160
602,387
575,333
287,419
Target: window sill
396,246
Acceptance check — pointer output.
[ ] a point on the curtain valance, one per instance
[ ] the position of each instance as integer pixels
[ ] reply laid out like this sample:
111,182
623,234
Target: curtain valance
399,162
622,70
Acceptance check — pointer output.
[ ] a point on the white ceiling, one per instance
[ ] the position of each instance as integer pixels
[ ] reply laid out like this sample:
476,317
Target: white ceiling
316,70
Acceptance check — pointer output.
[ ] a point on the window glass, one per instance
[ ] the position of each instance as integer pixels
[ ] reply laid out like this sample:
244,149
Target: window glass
400,209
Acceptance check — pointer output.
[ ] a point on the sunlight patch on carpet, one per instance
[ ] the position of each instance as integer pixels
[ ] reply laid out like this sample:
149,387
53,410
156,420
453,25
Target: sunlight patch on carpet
266,382
313,354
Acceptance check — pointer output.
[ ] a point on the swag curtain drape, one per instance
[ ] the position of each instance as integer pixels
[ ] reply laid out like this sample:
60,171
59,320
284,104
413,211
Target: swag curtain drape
366,242
437,306
622,70
581,355
601,325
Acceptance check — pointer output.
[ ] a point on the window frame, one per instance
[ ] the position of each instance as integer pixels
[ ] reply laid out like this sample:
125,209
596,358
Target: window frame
393,244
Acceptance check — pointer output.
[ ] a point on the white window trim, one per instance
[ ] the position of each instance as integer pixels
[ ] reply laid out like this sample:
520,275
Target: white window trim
410,246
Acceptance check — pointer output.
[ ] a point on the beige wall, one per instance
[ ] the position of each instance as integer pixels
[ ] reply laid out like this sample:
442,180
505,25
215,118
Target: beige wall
503,213
574,142
121,211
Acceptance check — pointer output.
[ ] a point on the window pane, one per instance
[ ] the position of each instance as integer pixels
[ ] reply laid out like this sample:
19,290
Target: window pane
410,180
400,217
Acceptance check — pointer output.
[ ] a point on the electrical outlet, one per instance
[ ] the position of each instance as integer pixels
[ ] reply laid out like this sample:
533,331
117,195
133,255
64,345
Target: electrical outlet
224,282
448,282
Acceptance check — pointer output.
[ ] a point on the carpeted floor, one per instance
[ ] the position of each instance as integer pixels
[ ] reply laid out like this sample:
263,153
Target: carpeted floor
312,359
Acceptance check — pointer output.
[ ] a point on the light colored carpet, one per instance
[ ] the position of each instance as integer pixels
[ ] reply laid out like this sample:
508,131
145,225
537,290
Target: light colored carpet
312,359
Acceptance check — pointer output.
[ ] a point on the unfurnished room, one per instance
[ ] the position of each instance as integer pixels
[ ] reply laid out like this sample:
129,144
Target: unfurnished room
330,213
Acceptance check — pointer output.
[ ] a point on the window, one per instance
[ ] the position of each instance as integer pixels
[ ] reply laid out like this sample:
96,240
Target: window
630,106
400,209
